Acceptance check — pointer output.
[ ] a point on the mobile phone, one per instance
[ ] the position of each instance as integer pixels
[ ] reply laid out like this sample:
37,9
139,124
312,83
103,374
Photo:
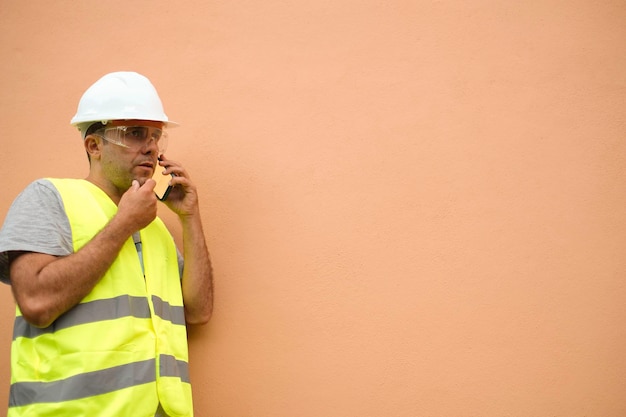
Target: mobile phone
162,187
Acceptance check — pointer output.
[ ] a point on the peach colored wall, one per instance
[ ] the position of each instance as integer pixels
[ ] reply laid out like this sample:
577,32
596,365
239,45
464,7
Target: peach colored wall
414,208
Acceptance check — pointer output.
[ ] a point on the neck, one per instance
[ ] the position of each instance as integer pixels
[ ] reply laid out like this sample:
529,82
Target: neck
113,192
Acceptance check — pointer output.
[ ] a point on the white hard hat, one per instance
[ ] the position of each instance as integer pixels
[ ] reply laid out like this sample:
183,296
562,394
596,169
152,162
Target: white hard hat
119,96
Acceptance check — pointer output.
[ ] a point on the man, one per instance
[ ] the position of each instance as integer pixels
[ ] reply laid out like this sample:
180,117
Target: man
101,299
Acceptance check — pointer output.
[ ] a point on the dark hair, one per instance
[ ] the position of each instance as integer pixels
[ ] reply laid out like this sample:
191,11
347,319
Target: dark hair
94,128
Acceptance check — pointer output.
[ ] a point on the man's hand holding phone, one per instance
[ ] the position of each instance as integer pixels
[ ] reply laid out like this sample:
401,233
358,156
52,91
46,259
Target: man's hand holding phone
163,187
180,194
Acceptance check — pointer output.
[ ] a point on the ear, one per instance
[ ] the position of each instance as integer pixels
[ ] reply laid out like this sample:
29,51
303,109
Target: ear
93,146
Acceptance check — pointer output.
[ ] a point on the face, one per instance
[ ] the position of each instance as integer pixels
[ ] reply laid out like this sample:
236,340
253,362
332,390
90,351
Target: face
129,154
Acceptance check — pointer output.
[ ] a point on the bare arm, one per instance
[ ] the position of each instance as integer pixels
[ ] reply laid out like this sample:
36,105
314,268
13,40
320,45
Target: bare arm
197,280
46,286
197,274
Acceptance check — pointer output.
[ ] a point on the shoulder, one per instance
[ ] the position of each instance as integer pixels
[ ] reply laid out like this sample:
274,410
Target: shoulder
35,222
39,203
40,189
39,197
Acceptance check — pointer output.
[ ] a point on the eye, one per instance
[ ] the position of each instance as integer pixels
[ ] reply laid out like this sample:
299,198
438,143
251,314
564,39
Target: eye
136,133
156,135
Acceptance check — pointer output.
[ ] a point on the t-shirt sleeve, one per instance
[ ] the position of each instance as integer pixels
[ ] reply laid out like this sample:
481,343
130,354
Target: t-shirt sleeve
35,222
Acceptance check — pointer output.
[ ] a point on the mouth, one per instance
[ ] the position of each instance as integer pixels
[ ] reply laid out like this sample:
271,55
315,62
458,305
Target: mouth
147,164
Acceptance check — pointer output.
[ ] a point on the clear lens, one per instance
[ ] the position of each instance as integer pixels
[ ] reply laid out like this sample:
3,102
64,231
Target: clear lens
136,137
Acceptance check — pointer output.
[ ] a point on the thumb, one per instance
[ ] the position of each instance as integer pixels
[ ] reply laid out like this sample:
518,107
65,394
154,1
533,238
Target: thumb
135,185
150,183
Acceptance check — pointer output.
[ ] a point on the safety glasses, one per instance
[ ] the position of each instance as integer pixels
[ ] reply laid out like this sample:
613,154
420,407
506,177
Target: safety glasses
135,137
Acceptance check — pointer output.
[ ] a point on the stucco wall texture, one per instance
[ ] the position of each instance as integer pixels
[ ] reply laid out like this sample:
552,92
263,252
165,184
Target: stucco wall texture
414,208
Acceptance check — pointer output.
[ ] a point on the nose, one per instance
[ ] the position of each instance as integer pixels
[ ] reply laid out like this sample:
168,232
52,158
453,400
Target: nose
150,146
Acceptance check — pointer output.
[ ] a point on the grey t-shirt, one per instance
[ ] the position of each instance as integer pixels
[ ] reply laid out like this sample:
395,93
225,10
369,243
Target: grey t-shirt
36,222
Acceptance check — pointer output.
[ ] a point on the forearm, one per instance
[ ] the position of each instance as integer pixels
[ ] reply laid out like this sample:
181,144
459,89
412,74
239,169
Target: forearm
197,281
46,287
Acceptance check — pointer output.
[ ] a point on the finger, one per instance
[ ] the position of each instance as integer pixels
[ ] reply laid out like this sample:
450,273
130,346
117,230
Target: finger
182,183
149,184
173,167
163,161
177,170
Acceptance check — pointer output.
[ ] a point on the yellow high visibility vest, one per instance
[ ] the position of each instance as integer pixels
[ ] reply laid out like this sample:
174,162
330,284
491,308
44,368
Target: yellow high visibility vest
123,349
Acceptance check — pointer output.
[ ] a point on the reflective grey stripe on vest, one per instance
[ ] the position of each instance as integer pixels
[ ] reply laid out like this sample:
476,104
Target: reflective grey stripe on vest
83,385
89,312
100,310
163,309
170,366
94,383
